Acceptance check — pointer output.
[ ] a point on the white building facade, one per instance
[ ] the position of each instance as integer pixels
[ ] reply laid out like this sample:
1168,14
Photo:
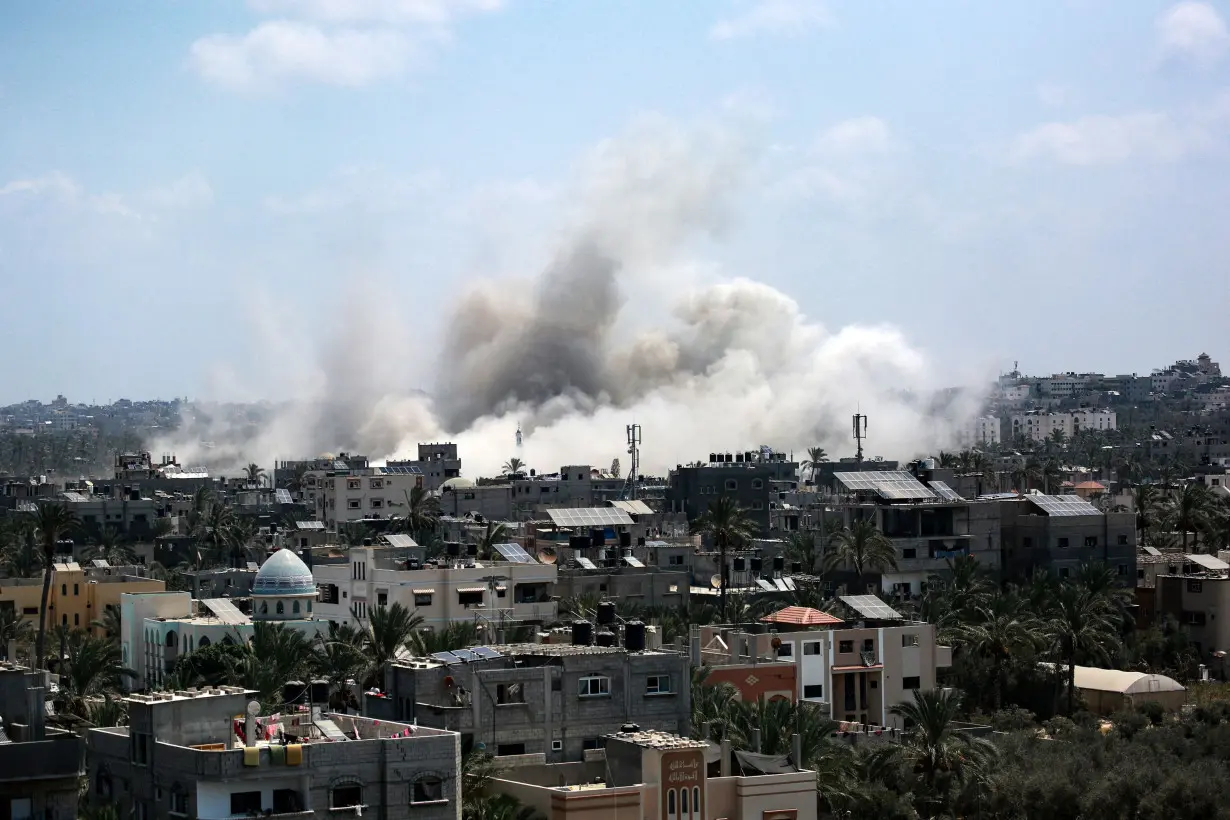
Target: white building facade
1039,426
346,496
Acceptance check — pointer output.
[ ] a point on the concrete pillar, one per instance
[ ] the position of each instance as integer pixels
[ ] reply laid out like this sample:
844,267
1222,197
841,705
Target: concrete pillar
756,741
725,762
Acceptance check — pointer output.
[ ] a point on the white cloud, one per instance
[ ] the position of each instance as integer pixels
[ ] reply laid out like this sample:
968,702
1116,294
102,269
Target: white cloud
1193,31
860,135
189,191
56,182
772,17
1054,96
356,189
1158,136
416,12
854,164
281,50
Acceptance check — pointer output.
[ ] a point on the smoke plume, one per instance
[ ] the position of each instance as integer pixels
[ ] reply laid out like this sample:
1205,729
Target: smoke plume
702,366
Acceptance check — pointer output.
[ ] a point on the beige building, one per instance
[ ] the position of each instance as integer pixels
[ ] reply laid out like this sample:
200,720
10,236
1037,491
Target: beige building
645,775
1105,691
78,596
1039,426
343,496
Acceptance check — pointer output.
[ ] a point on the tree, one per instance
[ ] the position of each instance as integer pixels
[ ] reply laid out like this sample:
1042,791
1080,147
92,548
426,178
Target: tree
112,549
815,457
388,630
804,548
53,521
340,658
110,623
422,513
727,525
453,635
92,668
513,466
616,468
1192,510
254,473
1144,500
861,547
496,533
997,630
13,628
1081,627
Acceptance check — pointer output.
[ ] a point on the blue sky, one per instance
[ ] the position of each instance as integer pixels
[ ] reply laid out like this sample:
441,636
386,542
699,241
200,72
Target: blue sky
191,192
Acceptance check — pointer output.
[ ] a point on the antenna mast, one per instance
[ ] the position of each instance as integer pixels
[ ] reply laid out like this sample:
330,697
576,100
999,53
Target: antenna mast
860,433
634,450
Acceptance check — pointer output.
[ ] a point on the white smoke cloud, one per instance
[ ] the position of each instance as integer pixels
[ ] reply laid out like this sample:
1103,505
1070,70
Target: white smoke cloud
730,365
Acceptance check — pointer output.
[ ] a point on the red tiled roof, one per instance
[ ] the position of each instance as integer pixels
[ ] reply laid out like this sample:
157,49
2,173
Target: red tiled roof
801,616
1090,485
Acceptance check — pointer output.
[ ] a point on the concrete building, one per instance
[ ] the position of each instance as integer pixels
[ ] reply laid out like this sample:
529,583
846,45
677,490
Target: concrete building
1195,590
437,461
857,669
648,775
456,590
39,766
1106,691
221,582
194,754
746,477
1059,533
982,431
1038,425
358,493
540,703
78,596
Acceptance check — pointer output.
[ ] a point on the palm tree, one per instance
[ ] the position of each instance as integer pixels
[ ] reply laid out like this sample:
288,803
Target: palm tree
997,630
237,536
1081,627
110,623
13,628
727,525
18,554
804,548
815,457
861,547
92,668
254,473
112,549
454,635
340,658
53,520
938,755
1050,474
1192,510
1144,500
422,513
495,534
513,466
388,630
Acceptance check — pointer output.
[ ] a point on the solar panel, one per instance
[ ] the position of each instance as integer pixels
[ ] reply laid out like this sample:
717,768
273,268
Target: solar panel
790,584
633,561
514,554
402,470
765,585
1209,562
869,606
485,652
945,492
253,566
283,497
400,541
309,525
225,611
1151,551
590,517
585,563
892,485
466,655
781,585
1064,506
101,563
76,498
446,658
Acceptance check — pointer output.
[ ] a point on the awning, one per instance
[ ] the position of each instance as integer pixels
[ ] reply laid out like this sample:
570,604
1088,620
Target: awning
859,668
423,591
501,588
471,589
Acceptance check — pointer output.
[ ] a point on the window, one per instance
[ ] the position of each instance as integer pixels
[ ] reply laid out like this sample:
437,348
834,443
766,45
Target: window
1140,573
786,650
1091,540
869,645
671,807
350,794
179,802
204,642
64,589
469,597
377,503
294,608
1064,572
427,789
757,484
909,552
845,646
1194,618
813,690
557,745
557,685
507,693
1122,540
911,682
286,801
76,619
360,609
75,590
29,610
245,802
1195,586
510,749
658,685
382,599
422,599
811,648
731,484
22,808
1062,543
593,743
594,686
353,504
353,484
671,561
1027,542
377,483
140,747
909,640
281,607
873,683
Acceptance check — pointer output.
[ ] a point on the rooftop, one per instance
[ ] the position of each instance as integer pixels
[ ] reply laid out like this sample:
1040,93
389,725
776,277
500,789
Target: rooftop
801,616
654,739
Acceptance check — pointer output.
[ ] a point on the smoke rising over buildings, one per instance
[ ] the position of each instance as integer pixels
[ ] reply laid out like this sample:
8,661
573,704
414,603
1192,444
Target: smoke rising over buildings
722,364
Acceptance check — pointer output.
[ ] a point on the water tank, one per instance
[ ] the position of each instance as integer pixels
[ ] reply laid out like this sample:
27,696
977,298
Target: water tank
579,542
713,457
471,549
606,613
757,565
779,563
320,691
738,458
597,537
796,567
606,638
625,539
294,691
582,633
740,564
728,459
634,636
640,541
453,548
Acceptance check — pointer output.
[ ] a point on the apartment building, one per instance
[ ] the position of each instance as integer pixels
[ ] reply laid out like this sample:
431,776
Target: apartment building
454,590
78,595
39,766
540,703
1059,533
982,431
185,754
437,461
1195,590
858,668
358,493
649,775
747,477
928,523
1040,425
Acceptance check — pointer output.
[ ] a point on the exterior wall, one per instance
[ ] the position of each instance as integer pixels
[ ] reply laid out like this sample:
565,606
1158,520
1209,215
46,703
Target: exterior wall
1040,426
343,497
693,488
492,501
135,610
1061,544
77,597
1200,605
982,430
649,586
771,681
360,585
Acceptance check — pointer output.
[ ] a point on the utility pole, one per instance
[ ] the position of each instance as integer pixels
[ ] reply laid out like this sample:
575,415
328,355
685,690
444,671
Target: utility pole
860,432
634,450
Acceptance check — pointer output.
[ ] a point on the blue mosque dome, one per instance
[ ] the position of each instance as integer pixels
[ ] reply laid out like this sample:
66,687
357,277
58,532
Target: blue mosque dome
284,573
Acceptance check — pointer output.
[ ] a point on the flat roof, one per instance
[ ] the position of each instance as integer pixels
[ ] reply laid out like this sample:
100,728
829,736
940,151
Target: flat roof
655,739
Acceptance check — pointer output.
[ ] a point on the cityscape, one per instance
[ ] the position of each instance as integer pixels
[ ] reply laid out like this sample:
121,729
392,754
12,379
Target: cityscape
500,410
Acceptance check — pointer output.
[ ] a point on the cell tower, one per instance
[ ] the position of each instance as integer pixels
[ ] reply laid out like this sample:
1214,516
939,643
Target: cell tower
860,433
634,450
518,438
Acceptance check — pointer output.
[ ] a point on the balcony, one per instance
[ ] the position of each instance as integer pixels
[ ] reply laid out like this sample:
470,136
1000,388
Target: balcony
57,757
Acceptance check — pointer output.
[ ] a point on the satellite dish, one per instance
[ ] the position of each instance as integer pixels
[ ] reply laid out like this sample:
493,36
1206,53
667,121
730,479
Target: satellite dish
254,708
547,555
716,582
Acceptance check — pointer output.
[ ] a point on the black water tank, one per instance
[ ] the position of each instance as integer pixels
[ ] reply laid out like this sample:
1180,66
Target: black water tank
634,636
294,691
320,691
713,457
453,548
740,564
640,541
796,567
471,549
625,539
579,542
597,537
757,565
779,563
606,613
582,633
606,638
